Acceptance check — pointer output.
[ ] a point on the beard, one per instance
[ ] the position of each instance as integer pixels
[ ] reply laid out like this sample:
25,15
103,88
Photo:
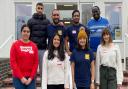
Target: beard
96,17
56,21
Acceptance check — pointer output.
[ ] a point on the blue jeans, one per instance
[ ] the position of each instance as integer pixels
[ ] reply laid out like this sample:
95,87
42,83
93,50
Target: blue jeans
19,85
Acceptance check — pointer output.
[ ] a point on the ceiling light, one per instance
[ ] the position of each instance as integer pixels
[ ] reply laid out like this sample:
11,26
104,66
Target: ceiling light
67,22
68,5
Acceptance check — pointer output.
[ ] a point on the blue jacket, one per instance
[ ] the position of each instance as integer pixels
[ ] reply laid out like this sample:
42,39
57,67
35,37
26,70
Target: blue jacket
96,28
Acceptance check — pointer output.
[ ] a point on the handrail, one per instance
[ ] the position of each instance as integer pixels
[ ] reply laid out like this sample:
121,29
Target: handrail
6,41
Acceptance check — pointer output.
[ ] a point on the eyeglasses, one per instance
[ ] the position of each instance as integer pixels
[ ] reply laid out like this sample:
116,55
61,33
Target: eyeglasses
39,8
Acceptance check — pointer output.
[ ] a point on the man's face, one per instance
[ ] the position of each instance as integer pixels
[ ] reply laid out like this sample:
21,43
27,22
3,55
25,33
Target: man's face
39,9
96,13
55,16
76,17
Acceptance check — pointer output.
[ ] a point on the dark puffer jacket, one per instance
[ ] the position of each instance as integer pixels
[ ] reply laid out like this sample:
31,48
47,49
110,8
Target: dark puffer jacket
38,26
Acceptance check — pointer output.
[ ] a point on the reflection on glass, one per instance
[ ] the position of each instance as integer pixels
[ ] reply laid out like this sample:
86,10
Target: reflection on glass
113,14
66,13
66,16
48,10
23,13
86,13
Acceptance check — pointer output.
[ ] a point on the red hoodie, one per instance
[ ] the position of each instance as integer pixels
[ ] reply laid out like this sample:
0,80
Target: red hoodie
24,59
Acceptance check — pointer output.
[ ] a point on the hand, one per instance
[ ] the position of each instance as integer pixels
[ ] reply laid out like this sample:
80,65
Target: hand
28,81
97,87
69,53
73,86
23,80
92,86
119,86
61,23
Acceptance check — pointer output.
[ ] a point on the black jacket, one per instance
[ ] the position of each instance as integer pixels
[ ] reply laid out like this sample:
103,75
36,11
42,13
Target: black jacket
38,27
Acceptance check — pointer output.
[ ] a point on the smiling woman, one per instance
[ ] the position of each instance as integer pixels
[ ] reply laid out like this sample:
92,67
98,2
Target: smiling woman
108,63
55,65
24,61
25,33
82,63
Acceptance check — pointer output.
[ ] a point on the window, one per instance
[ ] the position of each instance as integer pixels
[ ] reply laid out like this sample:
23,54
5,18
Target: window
48,9
23,13
66,10
113,12
86,12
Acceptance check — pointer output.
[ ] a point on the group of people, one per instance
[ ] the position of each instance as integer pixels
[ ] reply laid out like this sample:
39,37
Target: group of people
89,51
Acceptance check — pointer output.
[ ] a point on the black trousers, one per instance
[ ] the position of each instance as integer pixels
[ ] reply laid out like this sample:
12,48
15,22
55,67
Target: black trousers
83,88
108,78
60,86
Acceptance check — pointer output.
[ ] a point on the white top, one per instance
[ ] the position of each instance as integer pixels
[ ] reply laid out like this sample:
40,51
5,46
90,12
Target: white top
110,57
54,71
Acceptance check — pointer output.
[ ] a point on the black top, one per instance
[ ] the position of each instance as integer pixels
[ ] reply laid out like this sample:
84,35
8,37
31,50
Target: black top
38,27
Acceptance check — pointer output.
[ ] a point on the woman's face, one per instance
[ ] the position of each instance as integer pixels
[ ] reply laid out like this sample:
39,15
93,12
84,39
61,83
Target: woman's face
56,41
82,42
25,33
106,38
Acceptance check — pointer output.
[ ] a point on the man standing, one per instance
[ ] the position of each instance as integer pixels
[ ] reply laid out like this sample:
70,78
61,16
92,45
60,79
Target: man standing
96,26
72,32
56,26
38,27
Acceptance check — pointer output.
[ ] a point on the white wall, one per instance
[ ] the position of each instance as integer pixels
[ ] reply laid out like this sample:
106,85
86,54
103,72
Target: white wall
6,27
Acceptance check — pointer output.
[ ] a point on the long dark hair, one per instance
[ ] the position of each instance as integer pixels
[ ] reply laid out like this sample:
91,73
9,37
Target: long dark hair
60,49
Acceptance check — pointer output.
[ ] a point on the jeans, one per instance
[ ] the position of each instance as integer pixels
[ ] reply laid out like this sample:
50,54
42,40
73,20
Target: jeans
19,85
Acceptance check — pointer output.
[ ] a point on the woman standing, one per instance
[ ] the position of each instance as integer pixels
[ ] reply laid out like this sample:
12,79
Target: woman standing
55,65
82,63
24,61
109,73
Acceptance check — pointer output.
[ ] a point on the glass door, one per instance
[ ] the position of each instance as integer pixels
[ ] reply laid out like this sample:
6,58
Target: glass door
85,12
113,12
23,12
48,7
66,10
